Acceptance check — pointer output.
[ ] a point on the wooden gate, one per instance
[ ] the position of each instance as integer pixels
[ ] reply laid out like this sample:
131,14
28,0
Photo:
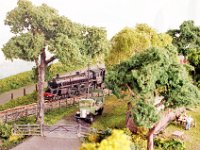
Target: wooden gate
67,130
27,129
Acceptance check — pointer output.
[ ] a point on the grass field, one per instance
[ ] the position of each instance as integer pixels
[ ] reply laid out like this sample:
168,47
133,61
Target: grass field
191,137
113,115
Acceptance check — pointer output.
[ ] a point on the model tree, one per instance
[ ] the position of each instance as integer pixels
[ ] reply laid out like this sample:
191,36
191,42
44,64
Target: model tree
150,74
132,40
38,29
187,41
156,70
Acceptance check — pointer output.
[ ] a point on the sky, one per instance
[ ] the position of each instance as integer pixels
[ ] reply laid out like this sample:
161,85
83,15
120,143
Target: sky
114,15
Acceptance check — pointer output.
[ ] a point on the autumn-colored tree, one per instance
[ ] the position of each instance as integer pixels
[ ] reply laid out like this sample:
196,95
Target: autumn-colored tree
129,41
38,29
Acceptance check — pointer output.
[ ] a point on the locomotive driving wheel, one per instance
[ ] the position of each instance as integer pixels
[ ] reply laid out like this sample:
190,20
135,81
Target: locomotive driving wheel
82,89
72,92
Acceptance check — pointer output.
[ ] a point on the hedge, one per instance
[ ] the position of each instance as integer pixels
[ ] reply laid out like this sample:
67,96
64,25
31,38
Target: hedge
16,81
28,77
24,100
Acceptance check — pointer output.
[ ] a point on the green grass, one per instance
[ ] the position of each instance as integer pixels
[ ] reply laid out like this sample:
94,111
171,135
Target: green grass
24,100
28,77
113,115
53,116
16,81
192,136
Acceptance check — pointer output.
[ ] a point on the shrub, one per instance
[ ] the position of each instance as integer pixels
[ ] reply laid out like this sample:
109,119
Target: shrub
5,131
168,144
118,140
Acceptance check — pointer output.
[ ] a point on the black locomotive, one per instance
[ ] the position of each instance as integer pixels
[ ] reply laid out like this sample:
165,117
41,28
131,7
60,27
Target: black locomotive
74,84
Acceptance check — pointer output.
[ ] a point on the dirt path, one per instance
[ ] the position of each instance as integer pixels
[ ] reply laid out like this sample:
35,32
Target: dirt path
49,143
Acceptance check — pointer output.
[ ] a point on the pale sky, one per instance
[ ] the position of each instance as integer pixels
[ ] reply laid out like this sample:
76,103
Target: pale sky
111,14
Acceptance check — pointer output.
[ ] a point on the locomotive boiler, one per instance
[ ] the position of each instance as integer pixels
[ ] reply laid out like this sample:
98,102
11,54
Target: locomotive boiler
74,84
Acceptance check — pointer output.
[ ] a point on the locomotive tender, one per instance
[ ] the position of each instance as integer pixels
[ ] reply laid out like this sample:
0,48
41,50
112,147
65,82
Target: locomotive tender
74,84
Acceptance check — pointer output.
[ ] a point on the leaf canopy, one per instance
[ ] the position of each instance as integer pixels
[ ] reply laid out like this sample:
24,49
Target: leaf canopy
151,70
155,70
129,41
37,26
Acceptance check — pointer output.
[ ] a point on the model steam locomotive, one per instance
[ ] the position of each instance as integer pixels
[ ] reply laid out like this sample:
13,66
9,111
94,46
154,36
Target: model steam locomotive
75,84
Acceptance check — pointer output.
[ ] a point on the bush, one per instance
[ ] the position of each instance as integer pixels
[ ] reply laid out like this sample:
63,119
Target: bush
116,141
97,136
5,131
168,144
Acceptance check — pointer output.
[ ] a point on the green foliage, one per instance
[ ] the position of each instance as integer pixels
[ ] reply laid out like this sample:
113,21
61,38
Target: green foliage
186,38
132,40
150,70
96,136
113,114
11,142
168,144
5,131
144,114
52,116
139,142
24,120
117,141
38,26
187,41
61,68
16,81
24,100
153,70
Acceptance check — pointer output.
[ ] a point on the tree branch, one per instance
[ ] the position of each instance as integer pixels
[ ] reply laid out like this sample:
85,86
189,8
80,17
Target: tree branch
132,93
36,62
50,60
170,116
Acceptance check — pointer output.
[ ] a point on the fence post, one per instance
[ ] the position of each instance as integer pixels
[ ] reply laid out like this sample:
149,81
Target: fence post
29,129
36,88
12,95
15,128
24,91
6,117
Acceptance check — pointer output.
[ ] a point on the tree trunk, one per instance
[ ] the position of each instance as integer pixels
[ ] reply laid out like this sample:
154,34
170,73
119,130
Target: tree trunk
41,77
150,139
161,125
